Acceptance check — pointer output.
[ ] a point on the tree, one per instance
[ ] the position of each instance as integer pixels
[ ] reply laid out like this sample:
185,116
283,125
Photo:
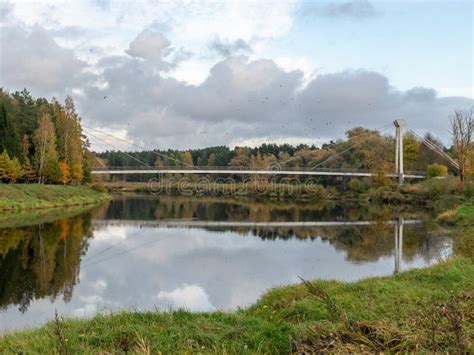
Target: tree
462,130
64,172
241,157
10,169
435,170
9,137
187,158
29,172
411,151
16,171
76,171
45,148
427,155
211,160
51,171
4,166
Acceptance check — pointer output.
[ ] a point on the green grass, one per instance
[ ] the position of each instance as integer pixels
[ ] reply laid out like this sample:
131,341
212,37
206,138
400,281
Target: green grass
466,210
461,215
22,218
411,311
36,196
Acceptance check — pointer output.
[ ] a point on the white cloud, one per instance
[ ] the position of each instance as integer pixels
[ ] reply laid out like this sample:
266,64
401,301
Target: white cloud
190,297
149,45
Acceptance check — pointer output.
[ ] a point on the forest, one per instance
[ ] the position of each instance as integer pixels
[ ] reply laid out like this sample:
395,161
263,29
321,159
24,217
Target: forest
41,141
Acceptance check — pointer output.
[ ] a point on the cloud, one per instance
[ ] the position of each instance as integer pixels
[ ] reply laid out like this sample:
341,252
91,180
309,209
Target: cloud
149,45
244,100
6,11
228,48
32,59
357,9
190,297
240,99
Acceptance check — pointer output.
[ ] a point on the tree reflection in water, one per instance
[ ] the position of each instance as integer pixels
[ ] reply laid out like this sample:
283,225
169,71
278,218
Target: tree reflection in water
43,261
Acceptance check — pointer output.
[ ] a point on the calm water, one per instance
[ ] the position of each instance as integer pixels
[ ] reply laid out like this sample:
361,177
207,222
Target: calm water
143,252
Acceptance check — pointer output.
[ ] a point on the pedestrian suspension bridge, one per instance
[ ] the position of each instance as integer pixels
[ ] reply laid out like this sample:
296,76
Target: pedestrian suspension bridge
279,168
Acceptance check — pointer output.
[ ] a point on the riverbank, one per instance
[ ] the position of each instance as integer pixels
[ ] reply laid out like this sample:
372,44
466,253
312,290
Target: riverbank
14,197
439,194
420,310
424,310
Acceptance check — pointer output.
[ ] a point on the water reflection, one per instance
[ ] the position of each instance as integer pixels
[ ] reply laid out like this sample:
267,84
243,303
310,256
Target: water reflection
201,254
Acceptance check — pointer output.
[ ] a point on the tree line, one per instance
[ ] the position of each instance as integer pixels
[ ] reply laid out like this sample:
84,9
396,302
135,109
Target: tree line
361,148
41,140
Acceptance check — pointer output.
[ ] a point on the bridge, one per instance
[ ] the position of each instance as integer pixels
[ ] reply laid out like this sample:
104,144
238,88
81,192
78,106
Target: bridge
278,168
179,223
398,224
223,170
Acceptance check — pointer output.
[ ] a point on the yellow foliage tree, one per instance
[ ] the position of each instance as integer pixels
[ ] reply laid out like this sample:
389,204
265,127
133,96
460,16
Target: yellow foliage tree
76,172
65,178
10,169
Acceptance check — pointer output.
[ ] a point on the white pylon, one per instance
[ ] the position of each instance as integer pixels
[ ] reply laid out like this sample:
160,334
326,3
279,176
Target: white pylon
399,125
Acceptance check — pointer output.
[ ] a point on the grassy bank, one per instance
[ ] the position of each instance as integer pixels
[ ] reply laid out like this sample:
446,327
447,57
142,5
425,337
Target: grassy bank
22,218
424,310
36,196
427,309
441,194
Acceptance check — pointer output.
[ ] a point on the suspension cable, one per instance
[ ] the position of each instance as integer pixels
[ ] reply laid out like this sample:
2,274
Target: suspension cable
383,128
436,149
345,150
139,146
115,148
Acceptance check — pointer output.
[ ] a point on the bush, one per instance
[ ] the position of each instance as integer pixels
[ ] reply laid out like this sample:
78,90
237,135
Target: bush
468,190
357,185
99,188
435,170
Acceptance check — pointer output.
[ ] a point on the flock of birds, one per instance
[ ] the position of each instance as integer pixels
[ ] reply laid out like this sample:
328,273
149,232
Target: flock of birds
308,129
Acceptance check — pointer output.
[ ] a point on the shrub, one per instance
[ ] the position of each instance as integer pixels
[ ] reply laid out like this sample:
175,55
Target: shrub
435,170
356,185
448,217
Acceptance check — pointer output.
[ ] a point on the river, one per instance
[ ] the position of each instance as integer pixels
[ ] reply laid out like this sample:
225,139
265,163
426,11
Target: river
144,252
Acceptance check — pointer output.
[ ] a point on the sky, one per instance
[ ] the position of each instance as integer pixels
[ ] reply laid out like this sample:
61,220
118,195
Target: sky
191,74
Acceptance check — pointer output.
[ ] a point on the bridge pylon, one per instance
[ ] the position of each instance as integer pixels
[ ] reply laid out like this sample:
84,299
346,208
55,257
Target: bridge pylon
399,125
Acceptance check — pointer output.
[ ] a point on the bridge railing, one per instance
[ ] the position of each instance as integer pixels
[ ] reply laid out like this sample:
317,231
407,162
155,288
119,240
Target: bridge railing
275,167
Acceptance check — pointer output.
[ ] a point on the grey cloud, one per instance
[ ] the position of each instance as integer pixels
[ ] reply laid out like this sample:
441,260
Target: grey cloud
244,99
31,58
240,99
228,48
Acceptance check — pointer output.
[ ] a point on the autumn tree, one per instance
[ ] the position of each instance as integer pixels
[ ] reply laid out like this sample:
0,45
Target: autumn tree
187,158
462,130
64,167
46,159
10,169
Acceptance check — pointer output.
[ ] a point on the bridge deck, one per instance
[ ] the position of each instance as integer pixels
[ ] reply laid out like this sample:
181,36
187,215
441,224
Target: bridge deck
244,172
210,224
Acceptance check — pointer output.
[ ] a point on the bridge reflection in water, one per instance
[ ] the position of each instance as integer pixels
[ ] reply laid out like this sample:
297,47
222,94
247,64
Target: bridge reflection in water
189,223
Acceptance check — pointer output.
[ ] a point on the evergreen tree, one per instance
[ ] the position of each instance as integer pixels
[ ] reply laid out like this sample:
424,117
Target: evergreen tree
9,137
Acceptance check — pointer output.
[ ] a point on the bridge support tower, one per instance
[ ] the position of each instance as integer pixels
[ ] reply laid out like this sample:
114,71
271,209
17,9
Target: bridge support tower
399,125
